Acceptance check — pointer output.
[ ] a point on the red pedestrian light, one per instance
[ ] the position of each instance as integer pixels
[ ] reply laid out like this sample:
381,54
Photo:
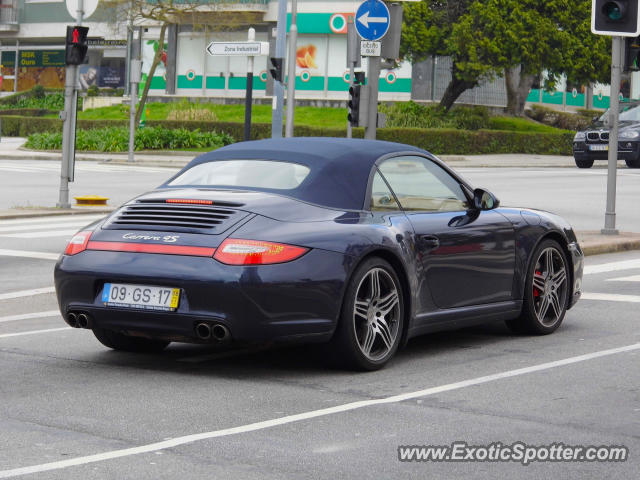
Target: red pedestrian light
76,36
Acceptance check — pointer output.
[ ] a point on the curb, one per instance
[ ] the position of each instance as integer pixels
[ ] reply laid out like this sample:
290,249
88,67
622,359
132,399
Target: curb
600,249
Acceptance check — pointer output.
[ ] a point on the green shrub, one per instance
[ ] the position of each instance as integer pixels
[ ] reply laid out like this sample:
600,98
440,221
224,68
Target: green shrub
116,139
183,134
93,91
38,92
563,120
415,115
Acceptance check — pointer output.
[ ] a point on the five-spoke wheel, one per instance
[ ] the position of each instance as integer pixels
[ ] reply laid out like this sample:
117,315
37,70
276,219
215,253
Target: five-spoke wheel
546,290
371,322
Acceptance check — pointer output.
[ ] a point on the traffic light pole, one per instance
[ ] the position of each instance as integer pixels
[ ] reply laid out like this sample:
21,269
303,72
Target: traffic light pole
617,57
278,87
69,125
373,75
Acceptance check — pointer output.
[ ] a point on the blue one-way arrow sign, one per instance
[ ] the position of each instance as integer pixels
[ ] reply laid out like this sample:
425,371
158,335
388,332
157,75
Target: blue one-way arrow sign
372,20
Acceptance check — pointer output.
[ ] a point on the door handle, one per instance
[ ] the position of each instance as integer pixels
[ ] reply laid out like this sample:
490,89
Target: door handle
429,241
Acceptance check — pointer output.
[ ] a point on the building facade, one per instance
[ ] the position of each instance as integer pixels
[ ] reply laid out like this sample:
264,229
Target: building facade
32,52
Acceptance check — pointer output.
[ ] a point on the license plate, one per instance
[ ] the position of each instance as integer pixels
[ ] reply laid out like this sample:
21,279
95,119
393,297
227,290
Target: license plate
599,148
145,297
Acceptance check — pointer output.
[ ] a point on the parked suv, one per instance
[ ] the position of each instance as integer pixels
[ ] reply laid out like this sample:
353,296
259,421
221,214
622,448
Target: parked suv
593,143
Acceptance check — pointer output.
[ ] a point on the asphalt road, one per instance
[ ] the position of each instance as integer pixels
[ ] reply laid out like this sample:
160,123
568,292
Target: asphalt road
577,195
72,409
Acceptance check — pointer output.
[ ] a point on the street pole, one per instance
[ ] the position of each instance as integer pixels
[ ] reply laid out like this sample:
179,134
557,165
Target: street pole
373,75
614,110
249,95
291,64
278,87
135,68
69,125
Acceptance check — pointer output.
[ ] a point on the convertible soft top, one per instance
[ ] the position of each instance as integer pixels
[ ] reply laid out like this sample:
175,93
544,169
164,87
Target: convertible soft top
340,167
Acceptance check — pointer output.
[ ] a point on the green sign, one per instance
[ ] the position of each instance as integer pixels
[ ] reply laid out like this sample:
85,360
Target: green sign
34,58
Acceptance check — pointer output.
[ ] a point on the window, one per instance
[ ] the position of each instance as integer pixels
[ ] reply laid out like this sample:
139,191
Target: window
245,173
421,185
381,197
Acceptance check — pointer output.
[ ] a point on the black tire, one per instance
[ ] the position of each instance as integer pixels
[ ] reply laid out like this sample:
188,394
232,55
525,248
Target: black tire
529,321
120,341
633,163
385,329
584,163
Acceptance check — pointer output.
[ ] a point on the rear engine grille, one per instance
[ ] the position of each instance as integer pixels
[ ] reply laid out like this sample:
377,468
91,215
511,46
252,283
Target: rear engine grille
158,215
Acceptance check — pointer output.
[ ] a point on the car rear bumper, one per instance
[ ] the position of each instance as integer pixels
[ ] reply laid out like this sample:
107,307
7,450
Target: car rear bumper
299,300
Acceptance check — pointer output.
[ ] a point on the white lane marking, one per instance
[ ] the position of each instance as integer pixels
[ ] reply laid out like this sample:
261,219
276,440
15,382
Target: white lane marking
252,427
48,233
53,219
632,278
31,332
26,293
29,254
29,316
610,297
62,224
612,266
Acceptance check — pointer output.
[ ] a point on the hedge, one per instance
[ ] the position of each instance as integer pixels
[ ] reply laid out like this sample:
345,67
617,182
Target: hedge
438,141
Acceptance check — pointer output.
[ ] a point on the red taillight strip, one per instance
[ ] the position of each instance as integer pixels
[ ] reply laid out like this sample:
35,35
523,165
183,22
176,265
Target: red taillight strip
152,248
189,201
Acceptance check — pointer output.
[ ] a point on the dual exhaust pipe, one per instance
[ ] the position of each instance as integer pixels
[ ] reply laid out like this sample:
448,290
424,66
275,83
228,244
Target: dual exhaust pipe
78,320
215,331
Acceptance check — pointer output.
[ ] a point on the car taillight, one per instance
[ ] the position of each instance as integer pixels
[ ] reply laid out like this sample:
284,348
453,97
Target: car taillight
253,252
78,243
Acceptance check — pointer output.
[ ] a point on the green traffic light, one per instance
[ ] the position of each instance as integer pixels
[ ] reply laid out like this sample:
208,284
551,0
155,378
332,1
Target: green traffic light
612,10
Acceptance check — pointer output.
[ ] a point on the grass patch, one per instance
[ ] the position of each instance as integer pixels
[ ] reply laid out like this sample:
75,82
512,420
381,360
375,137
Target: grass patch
516,124
310,116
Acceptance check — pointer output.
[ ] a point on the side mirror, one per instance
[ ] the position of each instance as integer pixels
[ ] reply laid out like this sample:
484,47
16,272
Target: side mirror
484,200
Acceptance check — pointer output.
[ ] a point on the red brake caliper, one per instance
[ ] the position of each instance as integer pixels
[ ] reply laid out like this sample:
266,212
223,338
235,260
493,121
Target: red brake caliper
536,292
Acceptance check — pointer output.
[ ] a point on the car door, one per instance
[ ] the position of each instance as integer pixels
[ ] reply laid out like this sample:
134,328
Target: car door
464,256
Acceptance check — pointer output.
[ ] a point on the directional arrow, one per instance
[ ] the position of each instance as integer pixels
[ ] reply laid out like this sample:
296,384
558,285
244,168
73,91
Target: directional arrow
365,19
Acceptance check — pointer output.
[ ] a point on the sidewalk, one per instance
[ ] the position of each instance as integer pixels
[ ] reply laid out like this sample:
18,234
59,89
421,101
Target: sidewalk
11,149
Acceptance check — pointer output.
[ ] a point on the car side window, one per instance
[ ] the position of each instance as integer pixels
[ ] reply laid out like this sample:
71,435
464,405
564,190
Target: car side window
422,185
381,197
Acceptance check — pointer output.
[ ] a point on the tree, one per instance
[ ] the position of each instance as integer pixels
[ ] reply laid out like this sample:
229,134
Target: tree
168,12
433,27
527,38
522,38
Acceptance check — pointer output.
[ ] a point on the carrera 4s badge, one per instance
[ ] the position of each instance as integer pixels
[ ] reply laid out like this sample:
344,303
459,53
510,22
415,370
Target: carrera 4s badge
156,238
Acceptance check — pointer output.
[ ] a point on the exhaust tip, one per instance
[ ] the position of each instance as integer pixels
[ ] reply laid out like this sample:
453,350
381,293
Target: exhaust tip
220,332
83,320
203,331
72,319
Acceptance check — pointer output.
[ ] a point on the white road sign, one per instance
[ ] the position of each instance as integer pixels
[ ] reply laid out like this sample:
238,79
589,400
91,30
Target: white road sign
246,49
89,6
370,49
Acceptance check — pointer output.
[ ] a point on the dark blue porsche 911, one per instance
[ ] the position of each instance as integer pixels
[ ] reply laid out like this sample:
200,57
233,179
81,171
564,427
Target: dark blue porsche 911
363,244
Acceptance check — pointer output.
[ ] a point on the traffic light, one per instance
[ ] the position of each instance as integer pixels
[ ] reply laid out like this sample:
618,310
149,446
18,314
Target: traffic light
276,71
632,50
615,18
354,105
76,46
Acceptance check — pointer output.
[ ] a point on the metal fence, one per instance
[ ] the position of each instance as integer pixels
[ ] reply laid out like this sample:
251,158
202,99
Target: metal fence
429,83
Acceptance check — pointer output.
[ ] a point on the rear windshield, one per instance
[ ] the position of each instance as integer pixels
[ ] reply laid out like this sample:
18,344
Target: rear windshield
266,174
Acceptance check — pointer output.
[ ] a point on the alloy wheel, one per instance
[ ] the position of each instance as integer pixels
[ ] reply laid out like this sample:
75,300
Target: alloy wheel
376,314
549,286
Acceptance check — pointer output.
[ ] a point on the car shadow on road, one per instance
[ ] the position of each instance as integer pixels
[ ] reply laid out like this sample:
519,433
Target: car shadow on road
262,361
